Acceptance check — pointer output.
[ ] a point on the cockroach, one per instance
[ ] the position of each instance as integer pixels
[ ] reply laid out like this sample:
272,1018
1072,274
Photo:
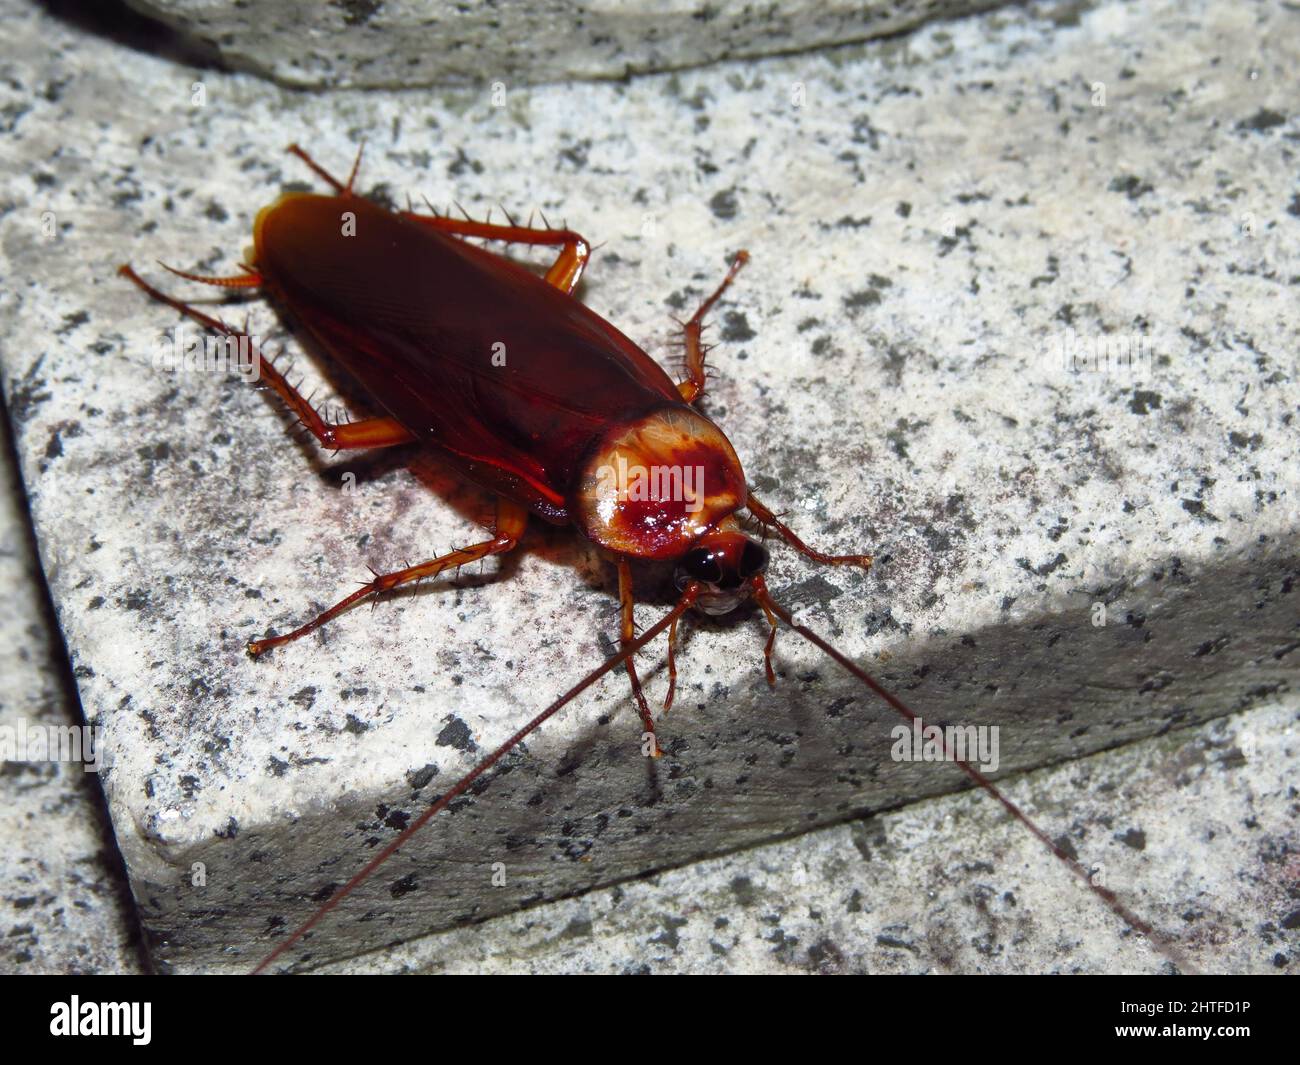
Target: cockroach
576,426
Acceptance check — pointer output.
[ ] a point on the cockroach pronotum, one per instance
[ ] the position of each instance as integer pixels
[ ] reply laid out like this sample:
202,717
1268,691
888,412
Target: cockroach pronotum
577,426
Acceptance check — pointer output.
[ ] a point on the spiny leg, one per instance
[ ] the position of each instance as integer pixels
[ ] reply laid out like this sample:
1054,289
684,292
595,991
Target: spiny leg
627,602
564,272
672,665
250,278
764,600
693,387
511,520
370,432
767,518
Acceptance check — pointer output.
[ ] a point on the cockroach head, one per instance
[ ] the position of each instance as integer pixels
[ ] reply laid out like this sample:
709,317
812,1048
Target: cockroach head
724,564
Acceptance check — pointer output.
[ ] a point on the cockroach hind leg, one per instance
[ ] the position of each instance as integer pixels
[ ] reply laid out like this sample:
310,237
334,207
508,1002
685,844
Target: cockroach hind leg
569,264
769,520
356,167
250,278
368,433
511,520
333,182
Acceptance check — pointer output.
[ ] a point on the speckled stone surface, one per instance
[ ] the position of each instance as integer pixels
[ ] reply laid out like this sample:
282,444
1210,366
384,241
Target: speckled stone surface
926,227
1197,829
405,43
64,903
945,885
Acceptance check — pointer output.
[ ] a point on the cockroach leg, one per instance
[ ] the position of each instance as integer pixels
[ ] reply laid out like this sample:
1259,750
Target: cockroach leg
511,520
370,432
325,175
250,278
564,273
693,387
672,666
627,601
356,166
771,521
764,600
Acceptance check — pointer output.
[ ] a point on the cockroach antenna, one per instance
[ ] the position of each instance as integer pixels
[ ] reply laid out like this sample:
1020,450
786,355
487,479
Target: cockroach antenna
669,622
688,598
1162,943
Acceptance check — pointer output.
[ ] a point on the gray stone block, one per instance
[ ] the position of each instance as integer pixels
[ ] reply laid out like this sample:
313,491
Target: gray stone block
927,225
63,896
1195,829
406,43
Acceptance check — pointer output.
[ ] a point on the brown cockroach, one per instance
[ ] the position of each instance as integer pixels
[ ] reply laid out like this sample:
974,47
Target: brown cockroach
578,427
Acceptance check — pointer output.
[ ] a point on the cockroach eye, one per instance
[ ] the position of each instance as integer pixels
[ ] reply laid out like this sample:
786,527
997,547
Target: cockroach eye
700,565
752,560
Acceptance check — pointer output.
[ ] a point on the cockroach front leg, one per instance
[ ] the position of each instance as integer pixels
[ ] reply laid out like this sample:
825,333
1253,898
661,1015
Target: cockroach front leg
672,666
627,601
693,387
511,520
765,601
370,432
767,518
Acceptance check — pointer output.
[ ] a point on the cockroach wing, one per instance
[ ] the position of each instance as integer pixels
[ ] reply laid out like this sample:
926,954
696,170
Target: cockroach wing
509,378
